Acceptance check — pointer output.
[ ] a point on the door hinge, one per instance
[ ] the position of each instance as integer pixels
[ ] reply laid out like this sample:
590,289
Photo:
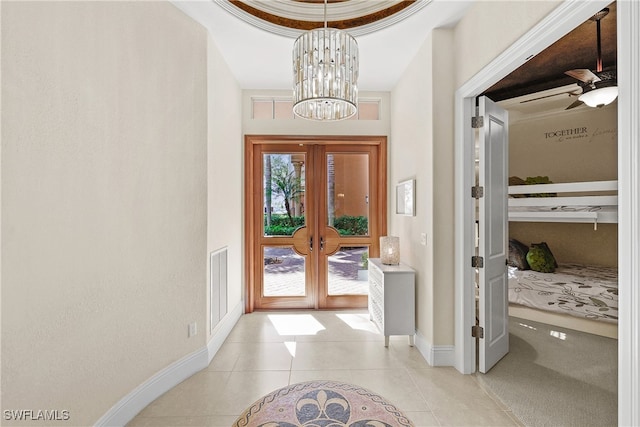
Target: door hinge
477,331
477,192
477,122
477,261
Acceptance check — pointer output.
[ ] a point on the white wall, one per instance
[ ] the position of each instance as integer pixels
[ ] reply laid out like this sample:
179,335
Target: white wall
104,199
420,148
225,177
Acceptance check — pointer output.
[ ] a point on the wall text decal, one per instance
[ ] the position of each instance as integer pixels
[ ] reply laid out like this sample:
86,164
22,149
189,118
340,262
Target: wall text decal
561,135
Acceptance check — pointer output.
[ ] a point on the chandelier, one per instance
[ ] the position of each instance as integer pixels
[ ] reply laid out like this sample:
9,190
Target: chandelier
325,74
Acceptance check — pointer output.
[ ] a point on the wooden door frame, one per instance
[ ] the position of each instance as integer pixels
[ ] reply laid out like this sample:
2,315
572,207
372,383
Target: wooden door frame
252,199
325,299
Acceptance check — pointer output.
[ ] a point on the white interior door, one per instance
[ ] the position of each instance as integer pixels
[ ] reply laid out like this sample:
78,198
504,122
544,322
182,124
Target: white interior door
493,234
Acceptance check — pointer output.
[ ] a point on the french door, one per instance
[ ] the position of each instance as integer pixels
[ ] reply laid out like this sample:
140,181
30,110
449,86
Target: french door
315,209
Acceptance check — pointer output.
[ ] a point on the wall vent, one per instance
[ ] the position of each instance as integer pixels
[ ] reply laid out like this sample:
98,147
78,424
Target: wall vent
218,285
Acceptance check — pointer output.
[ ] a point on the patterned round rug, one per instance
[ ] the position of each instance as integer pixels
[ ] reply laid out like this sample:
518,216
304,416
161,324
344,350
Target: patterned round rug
324,404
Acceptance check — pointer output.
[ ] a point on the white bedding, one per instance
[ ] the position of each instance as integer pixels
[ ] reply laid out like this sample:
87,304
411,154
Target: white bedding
584,291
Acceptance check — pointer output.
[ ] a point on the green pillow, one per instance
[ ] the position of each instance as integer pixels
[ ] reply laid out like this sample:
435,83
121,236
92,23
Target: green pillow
541,260
546,248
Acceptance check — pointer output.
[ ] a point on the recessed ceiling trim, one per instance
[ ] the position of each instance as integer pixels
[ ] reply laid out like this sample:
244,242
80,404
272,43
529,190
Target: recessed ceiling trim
298,10
359,17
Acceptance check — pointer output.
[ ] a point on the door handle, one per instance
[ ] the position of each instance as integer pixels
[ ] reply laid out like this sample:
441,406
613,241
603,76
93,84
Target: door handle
311,243
321,243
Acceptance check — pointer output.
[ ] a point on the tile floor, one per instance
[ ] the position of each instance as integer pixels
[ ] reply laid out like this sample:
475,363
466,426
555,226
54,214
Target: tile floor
269,350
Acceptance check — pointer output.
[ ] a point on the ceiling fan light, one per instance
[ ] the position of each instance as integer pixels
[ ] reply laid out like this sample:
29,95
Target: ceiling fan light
600,97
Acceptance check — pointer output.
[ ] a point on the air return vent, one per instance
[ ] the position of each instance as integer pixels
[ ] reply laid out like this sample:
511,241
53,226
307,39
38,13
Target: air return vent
218,286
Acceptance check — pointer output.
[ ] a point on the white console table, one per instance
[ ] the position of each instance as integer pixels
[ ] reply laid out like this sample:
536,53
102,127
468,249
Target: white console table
392,304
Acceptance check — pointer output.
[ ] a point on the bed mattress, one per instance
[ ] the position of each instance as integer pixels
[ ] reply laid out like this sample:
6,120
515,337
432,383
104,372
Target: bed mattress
589,292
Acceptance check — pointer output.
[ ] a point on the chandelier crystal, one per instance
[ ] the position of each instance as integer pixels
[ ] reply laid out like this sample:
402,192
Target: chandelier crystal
325,74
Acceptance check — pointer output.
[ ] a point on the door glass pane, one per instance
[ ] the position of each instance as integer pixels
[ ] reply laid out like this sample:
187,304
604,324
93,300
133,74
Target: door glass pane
283,273
348,274
348,193
284,189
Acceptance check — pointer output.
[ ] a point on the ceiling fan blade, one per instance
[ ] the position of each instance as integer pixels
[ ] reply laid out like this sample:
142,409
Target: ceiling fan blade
543,97
577,103
609,74
583,75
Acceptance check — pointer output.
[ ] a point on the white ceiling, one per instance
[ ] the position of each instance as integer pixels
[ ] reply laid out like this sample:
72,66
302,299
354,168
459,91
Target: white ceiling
260,59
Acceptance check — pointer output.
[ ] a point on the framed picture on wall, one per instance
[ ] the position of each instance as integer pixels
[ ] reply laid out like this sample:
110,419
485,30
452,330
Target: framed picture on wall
405,197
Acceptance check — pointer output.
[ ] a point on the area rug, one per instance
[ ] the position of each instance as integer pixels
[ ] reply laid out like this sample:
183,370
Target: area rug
322,404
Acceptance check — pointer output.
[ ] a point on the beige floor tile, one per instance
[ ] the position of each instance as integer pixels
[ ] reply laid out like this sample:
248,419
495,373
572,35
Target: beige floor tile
395,385
408,356
476,417
343,375
445,389
256,327
490,393
422,418
346,355
244,388
267,351
514,418
226,357
210,421
192,397
343,326
265,356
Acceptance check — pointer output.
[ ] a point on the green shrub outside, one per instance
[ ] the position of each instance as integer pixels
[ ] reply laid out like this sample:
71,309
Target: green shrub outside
346,225
352,225
281,225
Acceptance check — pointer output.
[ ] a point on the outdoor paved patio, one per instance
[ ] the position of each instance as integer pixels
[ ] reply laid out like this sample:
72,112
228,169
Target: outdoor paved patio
284,273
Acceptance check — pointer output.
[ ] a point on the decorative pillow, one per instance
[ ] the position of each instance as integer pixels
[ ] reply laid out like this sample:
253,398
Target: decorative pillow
541,259
544,246
518,254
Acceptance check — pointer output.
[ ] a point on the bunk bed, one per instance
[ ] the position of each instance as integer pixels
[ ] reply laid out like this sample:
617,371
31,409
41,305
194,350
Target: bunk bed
592,202
579,297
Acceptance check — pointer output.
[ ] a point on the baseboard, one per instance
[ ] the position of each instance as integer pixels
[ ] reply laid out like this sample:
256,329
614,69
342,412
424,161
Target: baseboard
135,401
223,329
435,355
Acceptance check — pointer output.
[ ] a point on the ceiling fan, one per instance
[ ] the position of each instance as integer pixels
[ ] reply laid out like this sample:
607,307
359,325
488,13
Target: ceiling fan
599,88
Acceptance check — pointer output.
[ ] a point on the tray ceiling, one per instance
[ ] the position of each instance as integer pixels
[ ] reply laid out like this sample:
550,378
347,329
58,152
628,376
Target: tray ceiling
258,35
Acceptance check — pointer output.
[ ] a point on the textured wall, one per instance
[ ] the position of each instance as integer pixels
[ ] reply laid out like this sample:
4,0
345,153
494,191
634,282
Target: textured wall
104,199
225,175
422,145
577,145
411,156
